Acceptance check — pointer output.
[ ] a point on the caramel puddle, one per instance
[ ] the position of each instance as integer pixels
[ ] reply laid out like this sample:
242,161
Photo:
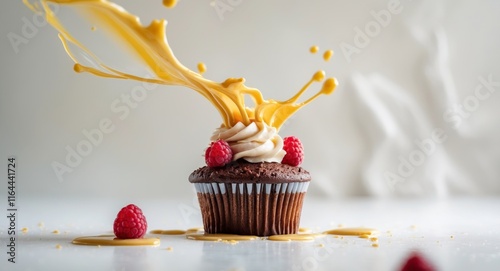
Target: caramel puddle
305,230
304,234
168,232
294,237
236,237
111,240
197,234
359,232
177,231
221,237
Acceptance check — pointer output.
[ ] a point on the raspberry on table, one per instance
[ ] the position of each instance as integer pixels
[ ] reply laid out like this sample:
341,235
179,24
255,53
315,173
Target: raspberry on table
218,154
130,223
416,262
294,151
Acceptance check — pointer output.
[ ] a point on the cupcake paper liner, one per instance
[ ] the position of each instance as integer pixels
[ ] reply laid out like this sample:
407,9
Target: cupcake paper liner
251,208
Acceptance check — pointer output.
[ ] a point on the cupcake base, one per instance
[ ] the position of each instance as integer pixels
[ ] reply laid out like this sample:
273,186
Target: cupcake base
251,208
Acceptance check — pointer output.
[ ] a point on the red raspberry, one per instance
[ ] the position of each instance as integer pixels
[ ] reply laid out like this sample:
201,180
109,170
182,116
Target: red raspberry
218,154
130,223
294,151
416,263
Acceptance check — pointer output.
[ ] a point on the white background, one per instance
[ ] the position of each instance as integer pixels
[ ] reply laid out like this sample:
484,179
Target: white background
394,90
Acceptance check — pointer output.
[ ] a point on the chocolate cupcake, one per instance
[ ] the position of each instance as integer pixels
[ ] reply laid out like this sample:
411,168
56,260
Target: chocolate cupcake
252,184
246,198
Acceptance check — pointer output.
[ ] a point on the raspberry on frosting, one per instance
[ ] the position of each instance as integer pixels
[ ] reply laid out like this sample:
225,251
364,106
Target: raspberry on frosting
294,151
218,154
130,223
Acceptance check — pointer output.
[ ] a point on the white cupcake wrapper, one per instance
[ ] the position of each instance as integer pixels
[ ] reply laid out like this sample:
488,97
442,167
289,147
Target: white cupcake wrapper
249,188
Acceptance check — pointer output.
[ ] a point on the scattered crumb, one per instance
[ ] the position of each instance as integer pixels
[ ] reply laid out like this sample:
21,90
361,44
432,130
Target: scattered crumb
170,249
58,246
437,241
451,236
341,237
98,246
24,230
93,28
388,232
375,245
413,227
41,224
55,232
321,245
373,239
340,225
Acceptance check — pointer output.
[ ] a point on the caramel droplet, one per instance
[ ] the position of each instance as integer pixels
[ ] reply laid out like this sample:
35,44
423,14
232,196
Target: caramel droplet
327,55
314,49
202,68
169,3
329,86
111,240
319,76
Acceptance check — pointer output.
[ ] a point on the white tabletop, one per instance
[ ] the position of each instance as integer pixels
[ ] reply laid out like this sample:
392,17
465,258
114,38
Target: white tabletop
454,234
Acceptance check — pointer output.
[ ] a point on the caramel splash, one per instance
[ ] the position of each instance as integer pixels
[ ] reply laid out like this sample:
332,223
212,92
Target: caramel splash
111,240
150,44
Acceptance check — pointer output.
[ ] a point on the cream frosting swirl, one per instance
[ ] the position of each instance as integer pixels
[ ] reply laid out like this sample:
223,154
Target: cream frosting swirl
255,143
